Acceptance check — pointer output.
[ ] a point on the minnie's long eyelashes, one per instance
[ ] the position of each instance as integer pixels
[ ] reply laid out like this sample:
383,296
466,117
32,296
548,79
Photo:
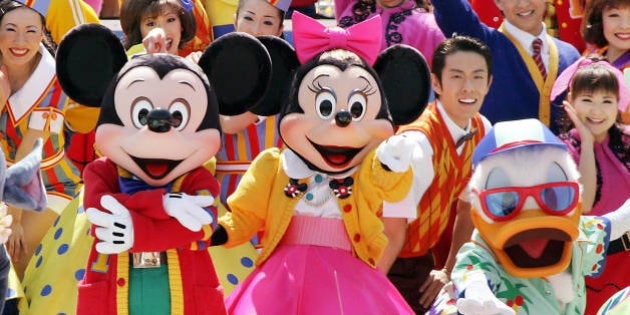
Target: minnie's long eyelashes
317,87
367,90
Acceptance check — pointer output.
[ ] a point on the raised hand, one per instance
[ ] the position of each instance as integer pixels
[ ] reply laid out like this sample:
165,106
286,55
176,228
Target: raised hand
396,152
155,41
585,133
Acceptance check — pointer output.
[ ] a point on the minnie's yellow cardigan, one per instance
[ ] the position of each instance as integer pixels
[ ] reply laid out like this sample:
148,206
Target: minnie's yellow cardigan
260,201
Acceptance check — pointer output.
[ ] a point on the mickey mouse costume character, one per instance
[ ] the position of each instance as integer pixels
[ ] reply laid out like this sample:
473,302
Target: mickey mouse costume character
150,199
319,200
531,248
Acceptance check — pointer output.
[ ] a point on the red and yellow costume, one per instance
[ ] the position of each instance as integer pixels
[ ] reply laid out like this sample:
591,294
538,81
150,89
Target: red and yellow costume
105,287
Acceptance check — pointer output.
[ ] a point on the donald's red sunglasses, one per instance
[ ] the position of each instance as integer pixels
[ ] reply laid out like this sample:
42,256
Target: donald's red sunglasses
502,204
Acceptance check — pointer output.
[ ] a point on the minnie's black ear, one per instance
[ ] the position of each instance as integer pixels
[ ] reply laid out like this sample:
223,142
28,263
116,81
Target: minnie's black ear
283,62
88,58
406,80
239,69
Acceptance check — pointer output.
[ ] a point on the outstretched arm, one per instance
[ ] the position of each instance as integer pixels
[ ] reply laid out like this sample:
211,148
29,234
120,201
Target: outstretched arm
457,16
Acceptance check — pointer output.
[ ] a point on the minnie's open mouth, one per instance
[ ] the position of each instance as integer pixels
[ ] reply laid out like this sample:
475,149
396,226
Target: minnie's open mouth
336,156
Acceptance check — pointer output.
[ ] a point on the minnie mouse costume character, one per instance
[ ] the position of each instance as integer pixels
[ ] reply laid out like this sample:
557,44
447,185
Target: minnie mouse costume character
149,199
319,200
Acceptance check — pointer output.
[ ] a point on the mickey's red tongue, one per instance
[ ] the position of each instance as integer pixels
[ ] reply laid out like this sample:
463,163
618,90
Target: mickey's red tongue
535,247
156,169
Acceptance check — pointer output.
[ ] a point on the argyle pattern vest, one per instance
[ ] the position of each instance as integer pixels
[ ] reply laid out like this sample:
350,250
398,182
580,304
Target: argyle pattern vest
452,173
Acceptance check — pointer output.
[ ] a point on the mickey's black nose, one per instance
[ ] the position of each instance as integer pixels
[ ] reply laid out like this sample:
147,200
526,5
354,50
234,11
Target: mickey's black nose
343,118
159,120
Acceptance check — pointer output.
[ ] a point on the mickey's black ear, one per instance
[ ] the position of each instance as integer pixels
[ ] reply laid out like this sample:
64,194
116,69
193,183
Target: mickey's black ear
283,62
239,69
88,57
406,80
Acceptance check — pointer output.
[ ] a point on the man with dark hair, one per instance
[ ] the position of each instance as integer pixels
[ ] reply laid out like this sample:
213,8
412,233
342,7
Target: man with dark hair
526,60
445,135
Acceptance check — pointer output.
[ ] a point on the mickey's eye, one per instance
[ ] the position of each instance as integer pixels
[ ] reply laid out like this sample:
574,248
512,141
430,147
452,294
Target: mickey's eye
325,103
356,106
140,109
180,111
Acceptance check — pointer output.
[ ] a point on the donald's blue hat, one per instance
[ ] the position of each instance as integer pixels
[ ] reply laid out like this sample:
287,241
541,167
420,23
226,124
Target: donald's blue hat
510,135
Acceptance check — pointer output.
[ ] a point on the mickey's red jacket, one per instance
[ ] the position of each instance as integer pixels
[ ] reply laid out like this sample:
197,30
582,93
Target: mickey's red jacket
194,286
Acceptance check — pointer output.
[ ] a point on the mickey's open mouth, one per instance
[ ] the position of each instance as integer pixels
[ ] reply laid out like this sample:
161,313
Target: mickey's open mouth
536,248
336,156
156,168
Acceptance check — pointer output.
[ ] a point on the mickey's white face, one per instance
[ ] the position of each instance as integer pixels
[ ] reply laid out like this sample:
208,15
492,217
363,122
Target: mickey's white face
158,150
339,125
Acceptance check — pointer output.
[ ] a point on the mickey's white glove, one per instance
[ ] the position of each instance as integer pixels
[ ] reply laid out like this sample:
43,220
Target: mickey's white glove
396,152
115,231
188,210
478,298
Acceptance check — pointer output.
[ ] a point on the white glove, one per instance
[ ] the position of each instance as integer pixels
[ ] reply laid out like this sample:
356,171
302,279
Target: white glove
478,298
115,231
396,152
188,210
619,220
561,284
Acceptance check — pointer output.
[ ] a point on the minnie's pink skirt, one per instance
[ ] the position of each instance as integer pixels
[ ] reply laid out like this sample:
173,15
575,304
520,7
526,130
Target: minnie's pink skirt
302,278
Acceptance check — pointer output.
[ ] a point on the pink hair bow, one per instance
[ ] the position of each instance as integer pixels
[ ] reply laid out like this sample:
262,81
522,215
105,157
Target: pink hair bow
310,38
564,81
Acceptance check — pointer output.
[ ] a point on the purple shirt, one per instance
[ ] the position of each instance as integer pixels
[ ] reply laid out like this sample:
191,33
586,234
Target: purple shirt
613,175
404,24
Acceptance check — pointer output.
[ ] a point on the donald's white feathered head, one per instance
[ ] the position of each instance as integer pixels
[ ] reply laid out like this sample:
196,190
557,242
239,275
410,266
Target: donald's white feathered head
525,197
